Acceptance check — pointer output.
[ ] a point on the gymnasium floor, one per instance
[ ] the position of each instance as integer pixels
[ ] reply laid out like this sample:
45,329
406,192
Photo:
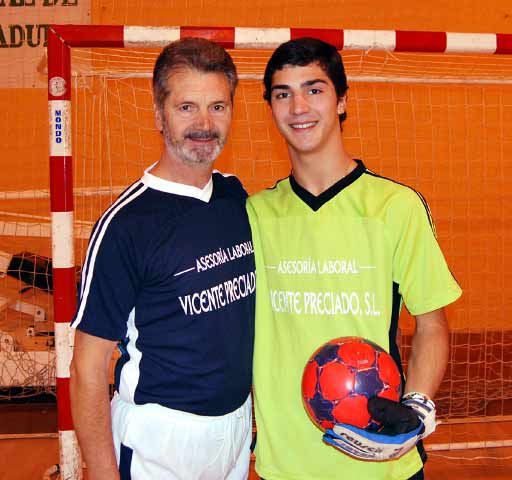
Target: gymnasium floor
29,458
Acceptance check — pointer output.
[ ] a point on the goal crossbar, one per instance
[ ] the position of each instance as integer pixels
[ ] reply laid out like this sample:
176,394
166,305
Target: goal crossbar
263,38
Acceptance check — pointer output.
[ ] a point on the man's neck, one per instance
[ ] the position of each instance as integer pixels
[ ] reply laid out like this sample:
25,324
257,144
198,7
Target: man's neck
317,171
179,172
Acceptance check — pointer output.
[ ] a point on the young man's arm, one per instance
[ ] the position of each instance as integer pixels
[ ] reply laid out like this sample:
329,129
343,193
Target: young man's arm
414,417
90,404
429,353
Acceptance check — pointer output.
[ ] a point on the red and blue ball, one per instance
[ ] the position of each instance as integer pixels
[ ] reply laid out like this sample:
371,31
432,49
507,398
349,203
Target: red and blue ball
342,375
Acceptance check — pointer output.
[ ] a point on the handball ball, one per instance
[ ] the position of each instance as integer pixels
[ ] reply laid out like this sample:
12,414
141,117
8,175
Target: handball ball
342,375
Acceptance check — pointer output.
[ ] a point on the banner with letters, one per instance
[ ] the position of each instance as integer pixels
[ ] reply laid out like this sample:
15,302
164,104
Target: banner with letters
23,37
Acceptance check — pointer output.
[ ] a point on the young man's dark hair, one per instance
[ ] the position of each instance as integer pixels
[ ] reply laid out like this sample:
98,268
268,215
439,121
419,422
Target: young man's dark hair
304,51
194,53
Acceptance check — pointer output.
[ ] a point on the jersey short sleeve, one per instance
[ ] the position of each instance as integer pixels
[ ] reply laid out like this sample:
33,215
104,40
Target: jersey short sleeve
419,267
108,282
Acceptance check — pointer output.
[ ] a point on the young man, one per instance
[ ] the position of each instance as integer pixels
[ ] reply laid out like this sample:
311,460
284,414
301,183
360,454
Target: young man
378,237
169,274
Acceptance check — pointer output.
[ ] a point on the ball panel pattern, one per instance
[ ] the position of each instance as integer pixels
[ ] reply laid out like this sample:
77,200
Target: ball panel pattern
342,375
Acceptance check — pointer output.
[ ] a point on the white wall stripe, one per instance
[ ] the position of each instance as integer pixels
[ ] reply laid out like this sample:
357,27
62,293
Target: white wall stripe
475,43
369,39
99,233
39,229
128,192
63,251
64,341
59,114
260,37
78,191
150,36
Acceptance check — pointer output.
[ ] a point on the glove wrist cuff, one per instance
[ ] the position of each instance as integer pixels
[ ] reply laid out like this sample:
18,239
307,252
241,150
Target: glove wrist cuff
418,396
424,408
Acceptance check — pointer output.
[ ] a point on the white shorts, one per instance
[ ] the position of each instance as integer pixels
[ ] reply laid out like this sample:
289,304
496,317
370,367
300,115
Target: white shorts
157,443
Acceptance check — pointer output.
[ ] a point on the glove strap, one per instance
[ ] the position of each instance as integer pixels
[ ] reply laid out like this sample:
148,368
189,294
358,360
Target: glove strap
424,408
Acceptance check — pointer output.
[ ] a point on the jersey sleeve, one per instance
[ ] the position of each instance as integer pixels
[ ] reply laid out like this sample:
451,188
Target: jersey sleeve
237,188
231,184
253,222
258,252
419,267
108,283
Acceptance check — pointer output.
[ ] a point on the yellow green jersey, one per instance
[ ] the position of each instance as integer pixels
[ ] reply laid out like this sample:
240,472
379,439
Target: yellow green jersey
333,265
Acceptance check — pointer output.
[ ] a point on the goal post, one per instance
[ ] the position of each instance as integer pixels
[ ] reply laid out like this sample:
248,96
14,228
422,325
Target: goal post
373,58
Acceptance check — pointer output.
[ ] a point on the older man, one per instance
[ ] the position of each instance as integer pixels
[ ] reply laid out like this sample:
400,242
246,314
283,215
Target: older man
169,276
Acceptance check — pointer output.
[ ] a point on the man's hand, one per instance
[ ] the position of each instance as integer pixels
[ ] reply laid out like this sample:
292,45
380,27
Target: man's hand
403,426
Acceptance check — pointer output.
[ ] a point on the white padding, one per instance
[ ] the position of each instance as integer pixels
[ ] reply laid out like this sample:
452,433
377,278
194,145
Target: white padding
35,311
5,260
63,252
7,342
369,39
4,303
470,42
260,37
59,112
150,36
64,341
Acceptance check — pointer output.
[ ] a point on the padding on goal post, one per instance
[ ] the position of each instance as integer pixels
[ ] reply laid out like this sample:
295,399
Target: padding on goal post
378,62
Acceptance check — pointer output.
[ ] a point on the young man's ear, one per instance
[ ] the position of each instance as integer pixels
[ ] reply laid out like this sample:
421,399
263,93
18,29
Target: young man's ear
158,118
342,104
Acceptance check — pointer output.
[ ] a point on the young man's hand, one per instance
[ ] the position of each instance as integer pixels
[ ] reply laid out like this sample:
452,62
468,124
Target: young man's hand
404,424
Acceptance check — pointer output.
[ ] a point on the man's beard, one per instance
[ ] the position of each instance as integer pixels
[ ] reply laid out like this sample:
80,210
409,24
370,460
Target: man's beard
198,154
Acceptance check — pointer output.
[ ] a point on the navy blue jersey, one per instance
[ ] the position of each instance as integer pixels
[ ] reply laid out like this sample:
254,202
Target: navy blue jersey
169,273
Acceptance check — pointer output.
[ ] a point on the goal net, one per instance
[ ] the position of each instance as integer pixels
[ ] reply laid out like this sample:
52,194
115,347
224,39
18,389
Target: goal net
436,122
439,122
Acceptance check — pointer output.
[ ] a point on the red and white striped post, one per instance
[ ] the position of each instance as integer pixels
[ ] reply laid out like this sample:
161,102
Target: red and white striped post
61,187
61,196
63,37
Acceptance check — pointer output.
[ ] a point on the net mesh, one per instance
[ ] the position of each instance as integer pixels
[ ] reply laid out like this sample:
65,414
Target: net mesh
435,122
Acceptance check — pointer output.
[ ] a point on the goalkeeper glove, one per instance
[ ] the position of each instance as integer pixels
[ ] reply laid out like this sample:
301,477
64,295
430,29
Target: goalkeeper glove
403,426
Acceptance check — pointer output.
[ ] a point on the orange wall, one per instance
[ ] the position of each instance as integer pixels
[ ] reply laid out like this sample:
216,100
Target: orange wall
438,15
476,248
23,121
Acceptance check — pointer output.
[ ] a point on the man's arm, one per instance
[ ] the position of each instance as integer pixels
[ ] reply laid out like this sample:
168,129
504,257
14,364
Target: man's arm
429,353
90,404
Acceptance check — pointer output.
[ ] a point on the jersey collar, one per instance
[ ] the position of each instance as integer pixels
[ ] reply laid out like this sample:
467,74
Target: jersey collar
315,202
157,183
